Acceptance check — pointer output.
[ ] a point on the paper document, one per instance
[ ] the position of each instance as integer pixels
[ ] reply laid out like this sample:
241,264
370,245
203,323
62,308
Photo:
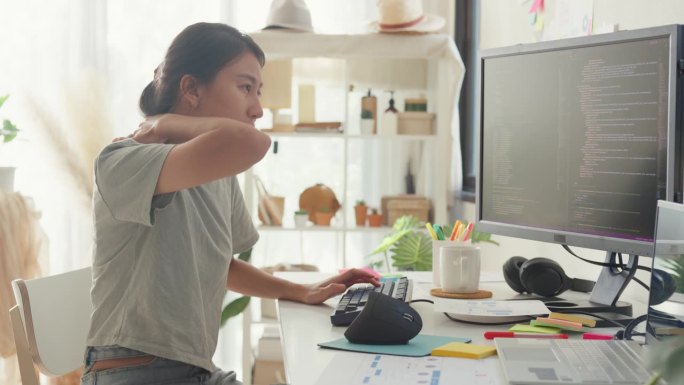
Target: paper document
491,308
377,369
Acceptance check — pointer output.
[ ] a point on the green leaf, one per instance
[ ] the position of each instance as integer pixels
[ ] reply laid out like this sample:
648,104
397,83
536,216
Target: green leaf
413,252
406,222
388,241
234,308
402,226
9,131
3,99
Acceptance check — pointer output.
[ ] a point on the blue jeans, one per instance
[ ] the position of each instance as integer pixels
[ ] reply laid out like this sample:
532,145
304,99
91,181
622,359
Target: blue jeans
158,371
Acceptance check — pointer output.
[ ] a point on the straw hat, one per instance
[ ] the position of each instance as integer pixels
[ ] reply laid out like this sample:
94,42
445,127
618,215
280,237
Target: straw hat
289,14
406,16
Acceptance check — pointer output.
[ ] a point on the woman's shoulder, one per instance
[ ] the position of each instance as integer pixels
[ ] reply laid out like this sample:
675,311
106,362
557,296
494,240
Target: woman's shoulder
127,146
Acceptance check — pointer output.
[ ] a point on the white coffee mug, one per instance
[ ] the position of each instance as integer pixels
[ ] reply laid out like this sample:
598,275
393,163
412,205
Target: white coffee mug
459,268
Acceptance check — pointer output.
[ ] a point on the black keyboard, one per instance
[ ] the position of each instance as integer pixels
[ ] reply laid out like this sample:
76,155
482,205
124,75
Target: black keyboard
354,299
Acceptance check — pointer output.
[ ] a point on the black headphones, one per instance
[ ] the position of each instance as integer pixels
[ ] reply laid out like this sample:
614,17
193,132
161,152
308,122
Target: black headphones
541,276
663,285
546,277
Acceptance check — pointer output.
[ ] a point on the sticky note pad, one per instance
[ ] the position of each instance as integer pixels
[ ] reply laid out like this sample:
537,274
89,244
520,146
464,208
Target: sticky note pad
534,329
557,323
574,318
459,349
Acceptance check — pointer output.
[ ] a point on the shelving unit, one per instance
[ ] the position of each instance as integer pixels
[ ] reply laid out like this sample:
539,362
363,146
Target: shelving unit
362,59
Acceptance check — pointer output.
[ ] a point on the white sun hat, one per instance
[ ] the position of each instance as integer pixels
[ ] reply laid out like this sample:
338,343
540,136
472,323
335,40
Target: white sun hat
405,16
289,14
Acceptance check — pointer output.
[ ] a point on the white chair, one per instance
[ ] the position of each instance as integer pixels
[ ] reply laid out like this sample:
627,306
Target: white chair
50,323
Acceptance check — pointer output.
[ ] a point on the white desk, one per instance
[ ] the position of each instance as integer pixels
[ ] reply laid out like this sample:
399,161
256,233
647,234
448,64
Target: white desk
302,327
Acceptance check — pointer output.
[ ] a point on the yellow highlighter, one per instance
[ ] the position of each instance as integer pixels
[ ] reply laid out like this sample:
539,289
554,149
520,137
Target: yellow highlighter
431,231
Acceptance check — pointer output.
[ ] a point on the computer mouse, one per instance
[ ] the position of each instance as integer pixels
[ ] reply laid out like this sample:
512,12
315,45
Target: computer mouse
384,321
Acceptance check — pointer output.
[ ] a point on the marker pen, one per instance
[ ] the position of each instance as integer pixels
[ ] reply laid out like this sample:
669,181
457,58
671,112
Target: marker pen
492,335
597,336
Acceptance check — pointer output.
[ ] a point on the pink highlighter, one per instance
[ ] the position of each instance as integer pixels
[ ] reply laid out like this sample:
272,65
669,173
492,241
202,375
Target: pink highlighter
597,336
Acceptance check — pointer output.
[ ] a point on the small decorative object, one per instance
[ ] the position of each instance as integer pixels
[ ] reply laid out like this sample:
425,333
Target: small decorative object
410,185
417,104
415,123
375,218
323,217
369,104
406,17
367,123
390,118
317,197
271,207
361,212
300,218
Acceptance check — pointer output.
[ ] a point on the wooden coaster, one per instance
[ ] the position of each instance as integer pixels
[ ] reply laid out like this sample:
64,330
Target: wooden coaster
480,294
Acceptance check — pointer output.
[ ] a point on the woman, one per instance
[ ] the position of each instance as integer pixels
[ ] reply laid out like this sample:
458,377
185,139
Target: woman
169,215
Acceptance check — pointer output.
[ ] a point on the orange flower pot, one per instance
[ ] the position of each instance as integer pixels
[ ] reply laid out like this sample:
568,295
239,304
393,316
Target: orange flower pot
361,212
375,220
323,218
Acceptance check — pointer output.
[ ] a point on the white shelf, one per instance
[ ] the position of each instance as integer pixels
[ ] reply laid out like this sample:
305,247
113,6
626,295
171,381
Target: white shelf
444,71
304,135
381,229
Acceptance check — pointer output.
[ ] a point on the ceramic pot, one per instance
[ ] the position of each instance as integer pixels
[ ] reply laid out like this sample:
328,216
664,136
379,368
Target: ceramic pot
323,218
300,219
361,212
375,220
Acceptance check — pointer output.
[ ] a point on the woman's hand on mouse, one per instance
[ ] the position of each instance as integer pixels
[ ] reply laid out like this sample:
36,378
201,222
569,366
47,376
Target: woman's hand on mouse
321,291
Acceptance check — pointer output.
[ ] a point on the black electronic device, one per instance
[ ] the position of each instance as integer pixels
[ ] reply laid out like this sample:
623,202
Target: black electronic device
355,298
541,276
579,139
384,321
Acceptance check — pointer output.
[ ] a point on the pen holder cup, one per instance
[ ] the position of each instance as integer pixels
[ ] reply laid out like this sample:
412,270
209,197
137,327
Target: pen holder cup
436,245
459,268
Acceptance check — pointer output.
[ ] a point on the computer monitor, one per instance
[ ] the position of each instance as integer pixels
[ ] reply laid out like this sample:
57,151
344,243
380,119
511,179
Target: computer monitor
579,139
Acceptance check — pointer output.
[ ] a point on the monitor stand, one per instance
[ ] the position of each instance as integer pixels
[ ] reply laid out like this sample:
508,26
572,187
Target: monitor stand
604,297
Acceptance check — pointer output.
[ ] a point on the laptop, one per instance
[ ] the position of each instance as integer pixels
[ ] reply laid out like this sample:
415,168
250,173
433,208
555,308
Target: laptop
576,361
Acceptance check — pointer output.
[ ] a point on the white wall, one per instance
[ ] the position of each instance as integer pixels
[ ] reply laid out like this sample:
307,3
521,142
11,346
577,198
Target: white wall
507,22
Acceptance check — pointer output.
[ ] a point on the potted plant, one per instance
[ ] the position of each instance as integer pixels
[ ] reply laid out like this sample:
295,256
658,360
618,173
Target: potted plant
374,218
8,132
324,216
361,212
410,248
300,218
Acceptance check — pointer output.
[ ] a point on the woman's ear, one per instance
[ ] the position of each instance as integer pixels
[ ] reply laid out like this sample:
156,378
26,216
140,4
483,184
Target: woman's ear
189,91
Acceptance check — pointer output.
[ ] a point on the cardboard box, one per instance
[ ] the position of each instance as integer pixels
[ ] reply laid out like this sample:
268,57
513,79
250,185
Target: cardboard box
415,123
395,206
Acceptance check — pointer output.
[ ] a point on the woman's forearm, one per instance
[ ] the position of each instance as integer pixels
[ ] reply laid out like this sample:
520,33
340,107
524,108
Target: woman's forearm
182,128
249,280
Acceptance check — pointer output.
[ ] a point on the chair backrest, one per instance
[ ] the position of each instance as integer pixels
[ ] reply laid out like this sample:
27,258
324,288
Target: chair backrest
54,313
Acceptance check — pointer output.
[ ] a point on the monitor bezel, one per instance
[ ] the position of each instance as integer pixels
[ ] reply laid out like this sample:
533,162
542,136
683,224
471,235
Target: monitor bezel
673,173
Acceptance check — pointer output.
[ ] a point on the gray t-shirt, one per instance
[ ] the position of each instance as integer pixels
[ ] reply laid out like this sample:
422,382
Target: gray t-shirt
160,263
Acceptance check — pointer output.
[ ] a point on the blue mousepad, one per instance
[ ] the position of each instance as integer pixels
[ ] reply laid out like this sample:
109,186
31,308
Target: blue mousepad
421,345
